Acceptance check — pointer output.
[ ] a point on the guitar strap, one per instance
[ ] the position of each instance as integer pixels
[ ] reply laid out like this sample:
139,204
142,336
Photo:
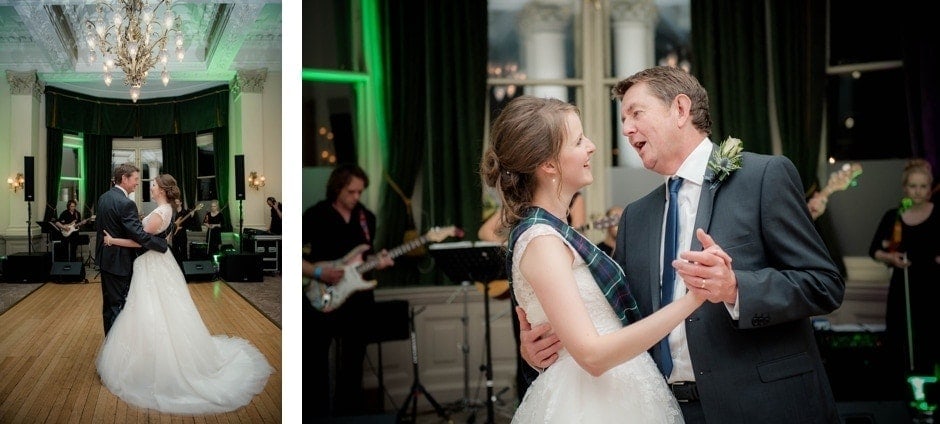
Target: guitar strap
364,223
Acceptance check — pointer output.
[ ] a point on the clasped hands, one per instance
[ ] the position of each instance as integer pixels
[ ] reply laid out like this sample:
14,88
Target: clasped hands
707,274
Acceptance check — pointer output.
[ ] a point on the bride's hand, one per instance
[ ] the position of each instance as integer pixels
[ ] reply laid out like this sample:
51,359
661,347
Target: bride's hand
107,238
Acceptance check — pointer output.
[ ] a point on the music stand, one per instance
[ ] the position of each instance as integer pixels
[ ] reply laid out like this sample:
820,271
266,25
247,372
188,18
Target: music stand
484,262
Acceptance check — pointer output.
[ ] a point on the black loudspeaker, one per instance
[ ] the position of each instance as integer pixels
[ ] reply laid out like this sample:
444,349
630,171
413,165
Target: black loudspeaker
239,177
241,268
29,189
28,267
67,272
199,270
873,412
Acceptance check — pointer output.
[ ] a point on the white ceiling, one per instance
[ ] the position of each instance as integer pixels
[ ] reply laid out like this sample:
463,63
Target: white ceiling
220,37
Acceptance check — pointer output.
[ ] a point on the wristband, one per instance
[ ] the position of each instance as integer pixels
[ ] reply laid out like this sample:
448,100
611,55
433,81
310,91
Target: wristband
316,273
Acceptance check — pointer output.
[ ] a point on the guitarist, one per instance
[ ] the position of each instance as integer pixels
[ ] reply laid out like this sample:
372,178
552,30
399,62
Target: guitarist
184,222
332,228
67,219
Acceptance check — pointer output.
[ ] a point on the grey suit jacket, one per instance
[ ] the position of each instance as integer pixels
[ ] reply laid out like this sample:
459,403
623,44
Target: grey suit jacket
118,215
764,367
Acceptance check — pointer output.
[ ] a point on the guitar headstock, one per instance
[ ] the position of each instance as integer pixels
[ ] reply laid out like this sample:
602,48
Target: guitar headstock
844,178
437,234
199,206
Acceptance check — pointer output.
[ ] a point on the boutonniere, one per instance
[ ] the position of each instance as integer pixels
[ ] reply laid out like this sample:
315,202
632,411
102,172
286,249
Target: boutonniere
725,160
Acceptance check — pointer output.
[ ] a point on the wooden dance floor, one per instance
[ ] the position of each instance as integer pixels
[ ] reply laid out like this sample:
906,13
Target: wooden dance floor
50,339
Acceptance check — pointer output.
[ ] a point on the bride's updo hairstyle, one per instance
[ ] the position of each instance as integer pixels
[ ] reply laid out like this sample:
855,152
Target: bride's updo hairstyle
168,184
527,133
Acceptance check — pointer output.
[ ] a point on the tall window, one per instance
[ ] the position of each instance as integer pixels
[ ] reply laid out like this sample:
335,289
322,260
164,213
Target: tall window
576,51
147,155
205,174
71,181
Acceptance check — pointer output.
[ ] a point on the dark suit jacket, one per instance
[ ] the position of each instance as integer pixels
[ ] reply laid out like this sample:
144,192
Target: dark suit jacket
118,215
764,367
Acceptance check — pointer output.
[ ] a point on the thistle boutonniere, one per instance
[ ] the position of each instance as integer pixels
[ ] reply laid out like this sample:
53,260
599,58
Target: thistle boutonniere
725,160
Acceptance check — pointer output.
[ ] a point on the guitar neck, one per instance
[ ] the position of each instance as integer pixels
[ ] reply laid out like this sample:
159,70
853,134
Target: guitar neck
394,253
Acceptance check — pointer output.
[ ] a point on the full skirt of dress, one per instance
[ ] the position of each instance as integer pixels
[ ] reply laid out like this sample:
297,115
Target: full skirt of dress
160,355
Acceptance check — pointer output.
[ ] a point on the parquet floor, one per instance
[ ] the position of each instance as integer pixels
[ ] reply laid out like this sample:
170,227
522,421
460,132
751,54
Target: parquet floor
49,341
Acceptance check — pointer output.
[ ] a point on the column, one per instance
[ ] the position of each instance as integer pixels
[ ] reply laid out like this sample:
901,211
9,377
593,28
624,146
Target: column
247,138
542,32
633,26
25,99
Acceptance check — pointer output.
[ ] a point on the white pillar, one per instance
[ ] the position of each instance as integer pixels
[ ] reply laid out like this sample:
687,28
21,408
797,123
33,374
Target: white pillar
25,97
542,30
248,139
633,23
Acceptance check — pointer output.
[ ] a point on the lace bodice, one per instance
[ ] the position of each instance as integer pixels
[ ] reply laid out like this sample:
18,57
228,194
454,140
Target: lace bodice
164,212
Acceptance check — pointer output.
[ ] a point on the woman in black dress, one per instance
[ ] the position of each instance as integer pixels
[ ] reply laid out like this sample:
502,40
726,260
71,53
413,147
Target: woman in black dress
213,223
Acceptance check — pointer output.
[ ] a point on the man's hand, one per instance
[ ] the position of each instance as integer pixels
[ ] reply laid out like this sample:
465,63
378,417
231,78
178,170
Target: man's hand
538,346
708,273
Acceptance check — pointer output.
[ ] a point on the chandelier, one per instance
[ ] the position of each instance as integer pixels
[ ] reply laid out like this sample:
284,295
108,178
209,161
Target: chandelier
128,35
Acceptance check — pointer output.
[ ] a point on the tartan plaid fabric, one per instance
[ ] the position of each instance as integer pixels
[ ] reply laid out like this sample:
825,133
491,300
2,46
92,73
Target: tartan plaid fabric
608,275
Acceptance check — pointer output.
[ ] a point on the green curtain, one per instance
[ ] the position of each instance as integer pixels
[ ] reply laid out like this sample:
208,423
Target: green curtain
221,155
53,168
180,161
730,38
435,63
736,74
194,112
98,168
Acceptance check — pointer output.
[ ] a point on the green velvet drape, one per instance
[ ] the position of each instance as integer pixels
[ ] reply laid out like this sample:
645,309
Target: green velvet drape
435,64
180,160
736,73
54,165
220,144
194,112
729,39
98,169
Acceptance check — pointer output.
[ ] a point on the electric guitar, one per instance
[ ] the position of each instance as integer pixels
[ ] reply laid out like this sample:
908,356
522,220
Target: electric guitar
179,221
327,298
839,180
73,227
499,289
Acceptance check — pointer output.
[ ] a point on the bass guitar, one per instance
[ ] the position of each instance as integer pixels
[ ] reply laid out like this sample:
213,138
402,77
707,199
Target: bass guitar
73,227
326,298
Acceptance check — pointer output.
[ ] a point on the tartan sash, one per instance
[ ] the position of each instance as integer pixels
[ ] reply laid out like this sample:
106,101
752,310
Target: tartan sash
608,275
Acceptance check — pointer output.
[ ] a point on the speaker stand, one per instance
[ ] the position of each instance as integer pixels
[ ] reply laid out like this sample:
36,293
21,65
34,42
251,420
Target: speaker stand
241,224
29,226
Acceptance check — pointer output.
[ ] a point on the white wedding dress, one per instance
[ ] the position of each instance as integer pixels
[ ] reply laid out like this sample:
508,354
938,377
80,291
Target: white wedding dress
160,355
632,392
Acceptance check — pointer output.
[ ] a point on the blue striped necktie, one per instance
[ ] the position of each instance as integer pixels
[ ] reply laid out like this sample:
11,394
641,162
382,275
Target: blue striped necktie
670,246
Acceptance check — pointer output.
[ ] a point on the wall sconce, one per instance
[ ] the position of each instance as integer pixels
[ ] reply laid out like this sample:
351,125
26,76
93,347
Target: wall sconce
16,183
255,180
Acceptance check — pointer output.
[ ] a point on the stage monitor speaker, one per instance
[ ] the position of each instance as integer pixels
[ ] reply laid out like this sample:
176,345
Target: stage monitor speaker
28,267
890,412
241,268
239,177
29,189
67,272
199,270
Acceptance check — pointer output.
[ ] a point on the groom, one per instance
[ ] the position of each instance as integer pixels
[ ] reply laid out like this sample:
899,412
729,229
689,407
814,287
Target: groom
117,214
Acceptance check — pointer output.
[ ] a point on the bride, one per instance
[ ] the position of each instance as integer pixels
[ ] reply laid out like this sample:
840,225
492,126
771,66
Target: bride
159,353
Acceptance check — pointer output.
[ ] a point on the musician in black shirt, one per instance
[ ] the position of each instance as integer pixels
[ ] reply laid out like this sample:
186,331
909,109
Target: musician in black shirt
68,224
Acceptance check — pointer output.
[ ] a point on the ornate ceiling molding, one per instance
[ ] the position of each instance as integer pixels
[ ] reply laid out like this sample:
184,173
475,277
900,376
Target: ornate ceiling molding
25,83
249,81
